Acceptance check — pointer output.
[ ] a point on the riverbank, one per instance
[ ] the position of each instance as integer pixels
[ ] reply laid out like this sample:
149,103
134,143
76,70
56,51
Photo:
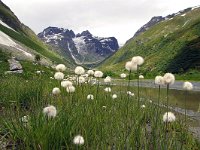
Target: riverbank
178,85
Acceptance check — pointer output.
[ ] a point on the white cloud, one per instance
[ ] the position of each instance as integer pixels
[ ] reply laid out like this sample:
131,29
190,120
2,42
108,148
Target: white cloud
119,18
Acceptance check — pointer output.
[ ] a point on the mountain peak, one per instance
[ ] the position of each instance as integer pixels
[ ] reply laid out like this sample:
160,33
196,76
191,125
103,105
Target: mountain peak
83,48
156,19
51,32
84,33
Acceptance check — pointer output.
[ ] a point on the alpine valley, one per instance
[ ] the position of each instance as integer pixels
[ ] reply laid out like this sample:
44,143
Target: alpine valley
168,44
64,90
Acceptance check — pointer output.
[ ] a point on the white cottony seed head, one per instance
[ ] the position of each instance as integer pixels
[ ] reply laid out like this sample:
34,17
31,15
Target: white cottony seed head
159,80
114,96
50,111
187,86
59,76
61,67
138,60
79,70
130,93
70,89
107,89
56,91
78,140
90,96
130,66
141,76
169,78
81,79
169,117
66,83
123,75
107,79
90,72
98,74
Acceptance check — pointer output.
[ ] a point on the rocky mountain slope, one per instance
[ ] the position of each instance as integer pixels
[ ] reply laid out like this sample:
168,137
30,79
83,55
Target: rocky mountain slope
20,41
82,48
168,44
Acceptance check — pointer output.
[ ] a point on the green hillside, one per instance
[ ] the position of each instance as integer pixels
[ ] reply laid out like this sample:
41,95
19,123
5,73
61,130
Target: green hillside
172,45
26,37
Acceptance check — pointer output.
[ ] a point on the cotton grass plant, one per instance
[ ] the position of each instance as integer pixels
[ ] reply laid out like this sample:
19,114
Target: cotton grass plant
133,65
187,86
82,117
159,80
98,74
168,79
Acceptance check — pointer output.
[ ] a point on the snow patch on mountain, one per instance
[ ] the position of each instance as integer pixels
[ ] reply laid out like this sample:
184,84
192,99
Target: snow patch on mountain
74,58
79,43
105,40
53,37
7,41
195,7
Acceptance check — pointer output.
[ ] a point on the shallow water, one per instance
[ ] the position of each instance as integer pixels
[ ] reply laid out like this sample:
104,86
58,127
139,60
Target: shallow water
176,94
176,97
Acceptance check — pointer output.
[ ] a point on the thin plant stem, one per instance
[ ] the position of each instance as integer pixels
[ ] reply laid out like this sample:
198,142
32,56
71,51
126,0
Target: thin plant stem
167,115
138,86
97,88
158,107
129,79
128,89
167,101
185,106
159,96
90,83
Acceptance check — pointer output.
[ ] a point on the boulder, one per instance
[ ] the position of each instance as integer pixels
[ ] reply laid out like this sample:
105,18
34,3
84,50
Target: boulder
14,65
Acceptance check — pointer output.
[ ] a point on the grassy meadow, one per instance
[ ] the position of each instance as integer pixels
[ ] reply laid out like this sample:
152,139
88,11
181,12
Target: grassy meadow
104,122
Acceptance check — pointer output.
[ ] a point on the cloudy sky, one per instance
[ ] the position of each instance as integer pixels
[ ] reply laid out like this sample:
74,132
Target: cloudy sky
119,18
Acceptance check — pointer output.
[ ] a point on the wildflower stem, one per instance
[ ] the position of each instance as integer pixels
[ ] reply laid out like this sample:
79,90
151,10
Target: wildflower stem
158,107
167,98
97,88
158,96
90,83
167,116
185,105
129,79
167,101
138,85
